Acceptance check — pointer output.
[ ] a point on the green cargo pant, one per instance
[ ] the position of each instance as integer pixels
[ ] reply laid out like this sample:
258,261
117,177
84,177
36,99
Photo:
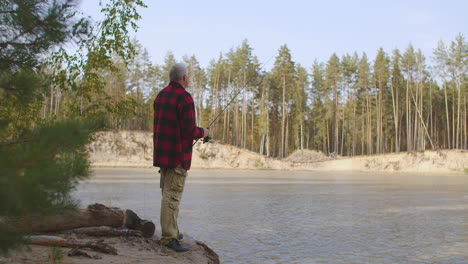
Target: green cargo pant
172,185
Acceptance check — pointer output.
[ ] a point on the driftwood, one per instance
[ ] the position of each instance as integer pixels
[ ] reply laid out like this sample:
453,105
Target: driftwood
72,243
95,215
103,231
209,253
76,252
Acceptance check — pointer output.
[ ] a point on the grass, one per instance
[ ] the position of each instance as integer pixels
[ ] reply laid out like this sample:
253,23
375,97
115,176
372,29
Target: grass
203,156
55,254
259,164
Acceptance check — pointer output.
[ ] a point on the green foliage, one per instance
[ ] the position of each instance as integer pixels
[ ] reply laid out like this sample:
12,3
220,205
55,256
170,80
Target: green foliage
42,157
38,26
56,254
42,166
82,71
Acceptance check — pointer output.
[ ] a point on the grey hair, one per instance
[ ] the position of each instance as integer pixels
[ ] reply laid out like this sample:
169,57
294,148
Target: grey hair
178,71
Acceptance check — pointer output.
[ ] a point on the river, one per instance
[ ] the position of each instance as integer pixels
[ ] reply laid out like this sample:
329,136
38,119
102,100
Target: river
250,216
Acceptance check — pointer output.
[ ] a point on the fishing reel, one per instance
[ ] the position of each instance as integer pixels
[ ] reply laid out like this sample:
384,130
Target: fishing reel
206,139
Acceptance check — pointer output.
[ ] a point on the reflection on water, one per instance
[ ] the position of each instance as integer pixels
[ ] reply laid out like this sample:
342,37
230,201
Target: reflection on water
305,217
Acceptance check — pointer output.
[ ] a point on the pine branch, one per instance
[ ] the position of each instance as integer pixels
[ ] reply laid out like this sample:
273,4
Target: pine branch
16,142
48,153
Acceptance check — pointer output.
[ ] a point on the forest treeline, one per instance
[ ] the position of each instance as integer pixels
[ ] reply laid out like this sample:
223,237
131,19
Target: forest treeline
349,105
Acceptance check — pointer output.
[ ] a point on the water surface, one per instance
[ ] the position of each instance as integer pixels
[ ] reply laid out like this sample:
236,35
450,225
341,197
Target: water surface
305,217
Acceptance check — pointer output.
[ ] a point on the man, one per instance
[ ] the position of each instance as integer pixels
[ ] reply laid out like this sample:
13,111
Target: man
174,132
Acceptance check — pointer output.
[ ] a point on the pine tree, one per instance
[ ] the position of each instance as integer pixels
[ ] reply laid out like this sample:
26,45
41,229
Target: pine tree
283,80
408,66
332,83
365,102
380,76
42,159
396,89
319,118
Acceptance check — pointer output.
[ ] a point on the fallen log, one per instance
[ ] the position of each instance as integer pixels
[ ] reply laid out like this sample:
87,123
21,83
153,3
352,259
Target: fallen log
95,215
103,231
72,243
75,252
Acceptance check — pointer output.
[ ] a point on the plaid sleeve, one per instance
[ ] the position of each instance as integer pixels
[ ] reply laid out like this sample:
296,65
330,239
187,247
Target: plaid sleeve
186,109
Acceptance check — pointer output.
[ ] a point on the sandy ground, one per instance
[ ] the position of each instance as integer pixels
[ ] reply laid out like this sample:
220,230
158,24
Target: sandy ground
130,250
134,149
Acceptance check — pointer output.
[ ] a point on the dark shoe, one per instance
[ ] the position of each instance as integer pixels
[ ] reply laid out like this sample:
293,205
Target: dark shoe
180,237
175,245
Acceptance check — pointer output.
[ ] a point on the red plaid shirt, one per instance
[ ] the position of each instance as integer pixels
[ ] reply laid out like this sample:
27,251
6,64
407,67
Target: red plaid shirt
174,127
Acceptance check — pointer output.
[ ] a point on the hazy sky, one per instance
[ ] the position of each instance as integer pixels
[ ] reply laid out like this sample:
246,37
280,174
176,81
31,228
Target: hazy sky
311,29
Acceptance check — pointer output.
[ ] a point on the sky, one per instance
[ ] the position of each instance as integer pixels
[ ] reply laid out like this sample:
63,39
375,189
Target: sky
311,29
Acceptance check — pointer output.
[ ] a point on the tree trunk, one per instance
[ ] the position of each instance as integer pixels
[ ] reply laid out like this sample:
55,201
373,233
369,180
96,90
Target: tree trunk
395,117
336,121
72,243
458,110
244,112
453,117
422,121
235,130
94,215
283,119
447,113
102,231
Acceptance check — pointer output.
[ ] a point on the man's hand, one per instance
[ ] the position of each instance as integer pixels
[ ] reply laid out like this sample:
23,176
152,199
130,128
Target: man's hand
206,132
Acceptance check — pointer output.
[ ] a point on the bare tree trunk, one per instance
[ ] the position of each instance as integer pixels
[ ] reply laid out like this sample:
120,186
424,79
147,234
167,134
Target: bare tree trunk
342,133
252,148
244,113
94,215
354,122
363,128
268,133
458,110
225,124
431,121
422,121
453,119
69,243
302,139
283,119
235,130
395,117
409,141
328,137
369,126
286,140
378,124
100,231
337,121
447,114
465,121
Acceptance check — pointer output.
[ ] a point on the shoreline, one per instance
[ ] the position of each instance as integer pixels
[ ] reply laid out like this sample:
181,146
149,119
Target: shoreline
396,173
133,149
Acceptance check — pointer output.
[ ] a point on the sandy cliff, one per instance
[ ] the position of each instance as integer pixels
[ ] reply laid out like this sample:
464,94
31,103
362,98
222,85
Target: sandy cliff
134,149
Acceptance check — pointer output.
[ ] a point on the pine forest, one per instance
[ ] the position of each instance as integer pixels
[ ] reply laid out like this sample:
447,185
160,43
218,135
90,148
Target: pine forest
349,105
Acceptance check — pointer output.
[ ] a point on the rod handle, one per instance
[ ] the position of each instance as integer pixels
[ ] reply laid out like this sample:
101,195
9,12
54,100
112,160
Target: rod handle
206,139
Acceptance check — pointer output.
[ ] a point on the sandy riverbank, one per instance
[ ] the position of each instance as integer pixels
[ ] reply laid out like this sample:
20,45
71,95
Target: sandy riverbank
134,149
129,250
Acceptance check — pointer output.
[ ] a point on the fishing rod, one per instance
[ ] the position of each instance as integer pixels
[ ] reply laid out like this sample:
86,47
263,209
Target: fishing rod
208,138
